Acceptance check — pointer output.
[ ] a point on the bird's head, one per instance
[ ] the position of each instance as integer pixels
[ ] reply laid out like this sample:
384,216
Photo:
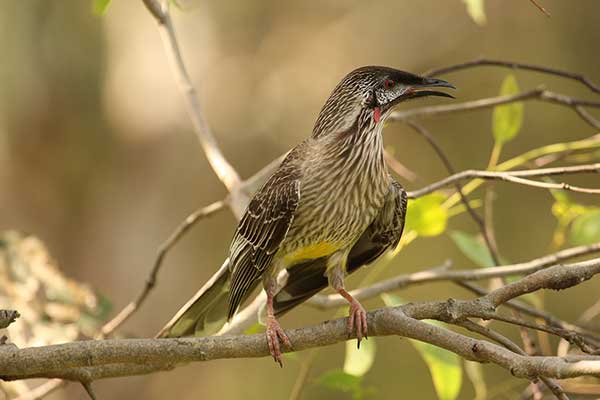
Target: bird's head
367,95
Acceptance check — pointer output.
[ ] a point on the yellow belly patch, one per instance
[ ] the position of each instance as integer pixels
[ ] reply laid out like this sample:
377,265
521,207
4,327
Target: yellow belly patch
311,252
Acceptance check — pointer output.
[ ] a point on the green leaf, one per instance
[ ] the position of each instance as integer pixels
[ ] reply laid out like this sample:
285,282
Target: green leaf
337,379
508,118
585,228
473,247
359,361
474,371
444,366
100,6
426,215
476,11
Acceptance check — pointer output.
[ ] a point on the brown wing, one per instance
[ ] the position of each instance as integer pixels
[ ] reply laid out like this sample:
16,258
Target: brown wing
262,229
308,278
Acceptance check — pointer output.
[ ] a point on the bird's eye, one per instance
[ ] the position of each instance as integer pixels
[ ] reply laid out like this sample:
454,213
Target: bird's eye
388,84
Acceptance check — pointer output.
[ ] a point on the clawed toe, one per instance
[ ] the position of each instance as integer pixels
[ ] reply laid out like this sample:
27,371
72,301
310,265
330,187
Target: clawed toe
357,321
274,335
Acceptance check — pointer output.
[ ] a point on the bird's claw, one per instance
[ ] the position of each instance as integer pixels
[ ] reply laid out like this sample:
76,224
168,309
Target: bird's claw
357,320
274,335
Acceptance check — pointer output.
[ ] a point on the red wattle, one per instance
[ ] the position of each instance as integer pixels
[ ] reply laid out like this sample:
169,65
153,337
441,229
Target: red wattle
377,114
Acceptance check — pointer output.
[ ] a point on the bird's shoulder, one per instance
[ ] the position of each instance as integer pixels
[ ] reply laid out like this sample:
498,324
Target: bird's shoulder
271,211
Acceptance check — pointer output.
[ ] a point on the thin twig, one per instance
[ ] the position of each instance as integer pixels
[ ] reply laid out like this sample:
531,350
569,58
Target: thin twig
442,274
539,7
515,177
463,198
509,344
89,390
128,310
399,168
515,65
226,173
591,313
536,313
303,375
537,94
570,336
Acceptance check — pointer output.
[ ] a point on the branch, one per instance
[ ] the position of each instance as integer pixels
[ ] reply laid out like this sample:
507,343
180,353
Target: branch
554,387
515,177
442,274
538,94
481,62
487,237
90,360
217,160
540,7
399,168
536,313
128,310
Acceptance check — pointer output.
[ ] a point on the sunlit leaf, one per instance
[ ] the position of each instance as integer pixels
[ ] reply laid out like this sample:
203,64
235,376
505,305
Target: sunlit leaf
100,6
561,196
359,361
474,371
507,118
426,215
476,11
585,228
473,247
565,211
444,366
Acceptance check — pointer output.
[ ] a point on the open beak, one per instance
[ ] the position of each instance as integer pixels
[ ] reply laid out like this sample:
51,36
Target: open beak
420,90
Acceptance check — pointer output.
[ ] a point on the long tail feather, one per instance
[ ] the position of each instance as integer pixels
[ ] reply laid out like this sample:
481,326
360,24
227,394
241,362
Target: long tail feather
206,312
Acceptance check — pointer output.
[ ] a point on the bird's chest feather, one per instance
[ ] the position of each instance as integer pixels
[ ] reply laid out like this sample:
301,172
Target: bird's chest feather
340,197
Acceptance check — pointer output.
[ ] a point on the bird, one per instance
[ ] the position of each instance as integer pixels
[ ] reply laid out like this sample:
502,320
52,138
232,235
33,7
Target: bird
331,207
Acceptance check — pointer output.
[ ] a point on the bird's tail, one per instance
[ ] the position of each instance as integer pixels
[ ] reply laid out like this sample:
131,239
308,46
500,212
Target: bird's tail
304,281
205,313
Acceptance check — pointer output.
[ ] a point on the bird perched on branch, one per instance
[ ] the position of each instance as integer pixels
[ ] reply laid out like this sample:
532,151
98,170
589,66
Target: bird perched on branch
330,208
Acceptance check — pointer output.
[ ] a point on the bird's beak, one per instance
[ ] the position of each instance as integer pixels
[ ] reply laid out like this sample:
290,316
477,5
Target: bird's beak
420,90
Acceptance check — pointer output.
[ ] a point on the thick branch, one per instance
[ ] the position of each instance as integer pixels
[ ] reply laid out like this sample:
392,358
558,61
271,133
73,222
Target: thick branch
90,360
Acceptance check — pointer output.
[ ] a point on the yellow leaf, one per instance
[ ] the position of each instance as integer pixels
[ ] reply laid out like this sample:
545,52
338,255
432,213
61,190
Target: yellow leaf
426,216
507,118
476,11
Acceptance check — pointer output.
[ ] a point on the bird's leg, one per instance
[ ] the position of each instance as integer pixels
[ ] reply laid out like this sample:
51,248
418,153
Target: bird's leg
274,331
357,317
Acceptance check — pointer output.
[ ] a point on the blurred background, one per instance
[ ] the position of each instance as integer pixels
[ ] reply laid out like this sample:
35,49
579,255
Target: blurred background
98,158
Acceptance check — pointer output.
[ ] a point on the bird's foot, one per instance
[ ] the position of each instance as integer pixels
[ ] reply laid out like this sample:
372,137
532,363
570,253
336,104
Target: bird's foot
274,334
357,320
